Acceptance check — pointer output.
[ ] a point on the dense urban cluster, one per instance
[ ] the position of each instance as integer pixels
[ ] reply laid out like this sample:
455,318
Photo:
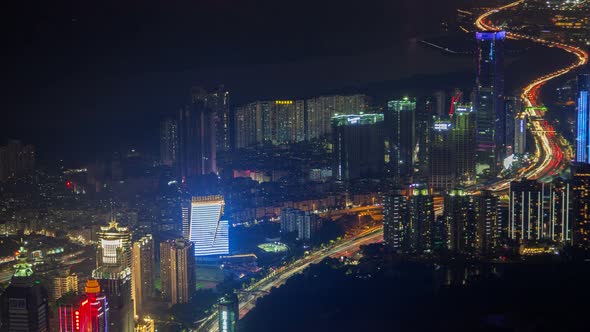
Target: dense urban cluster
239,198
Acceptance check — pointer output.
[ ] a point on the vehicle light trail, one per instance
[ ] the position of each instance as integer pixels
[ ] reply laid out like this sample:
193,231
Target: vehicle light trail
552,153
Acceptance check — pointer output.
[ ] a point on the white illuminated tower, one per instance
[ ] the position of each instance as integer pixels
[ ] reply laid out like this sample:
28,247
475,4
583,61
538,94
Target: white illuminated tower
207,231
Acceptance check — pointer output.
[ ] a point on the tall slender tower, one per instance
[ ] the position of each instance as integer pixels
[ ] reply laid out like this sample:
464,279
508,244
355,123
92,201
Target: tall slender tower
583,132
142,272
489,108
400,119
168,142
463,137
197,138
177,264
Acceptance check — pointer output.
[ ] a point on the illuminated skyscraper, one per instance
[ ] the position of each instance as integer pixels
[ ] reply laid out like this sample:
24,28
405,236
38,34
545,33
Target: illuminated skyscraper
581,206
459,213
177,270
489,227
400,128
142,272
520,135
442,159
196,130
113,273
514,107
24,303
489,107
207,231
463,138
218,101
168,142
229,313
583,132
526,210
87,313
420,224
62,284
395,215
358,146
425,116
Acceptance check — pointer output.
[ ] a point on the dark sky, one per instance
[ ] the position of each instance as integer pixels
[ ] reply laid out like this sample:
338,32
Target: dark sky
81,76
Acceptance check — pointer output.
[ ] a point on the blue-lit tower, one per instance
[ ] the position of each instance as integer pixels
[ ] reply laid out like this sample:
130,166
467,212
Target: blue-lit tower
206,230
490,112
582,148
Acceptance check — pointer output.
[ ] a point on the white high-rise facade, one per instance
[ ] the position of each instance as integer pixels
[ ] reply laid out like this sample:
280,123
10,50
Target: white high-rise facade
207,231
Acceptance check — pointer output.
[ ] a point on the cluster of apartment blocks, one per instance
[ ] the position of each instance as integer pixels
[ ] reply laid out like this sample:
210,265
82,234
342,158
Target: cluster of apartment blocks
290,121
535,213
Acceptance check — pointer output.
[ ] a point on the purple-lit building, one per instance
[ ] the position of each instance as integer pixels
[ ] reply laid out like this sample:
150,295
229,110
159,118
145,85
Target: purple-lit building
489,104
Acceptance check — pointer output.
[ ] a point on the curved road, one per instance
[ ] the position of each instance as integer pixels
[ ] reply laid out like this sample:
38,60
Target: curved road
552,152
551,158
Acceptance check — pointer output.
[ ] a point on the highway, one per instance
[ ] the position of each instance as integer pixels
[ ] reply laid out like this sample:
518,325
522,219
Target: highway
551,157
552,152
277,278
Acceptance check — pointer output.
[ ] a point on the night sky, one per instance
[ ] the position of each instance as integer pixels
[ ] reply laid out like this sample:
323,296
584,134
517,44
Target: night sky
82,77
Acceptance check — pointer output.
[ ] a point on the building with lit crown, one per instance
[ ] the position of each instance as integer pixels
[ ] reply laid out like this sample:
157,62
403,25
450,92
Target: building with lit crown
400,122
583,123
489,104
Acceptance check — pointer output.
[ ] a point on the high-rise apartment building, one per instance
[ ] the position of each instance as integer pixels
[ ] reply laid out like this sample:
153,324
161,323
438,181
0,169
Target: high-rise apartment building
460,216
206,230
168,142
581,205
489,105
62,284
177,270
358,146
395,216
142,272
583,130
489,227
320,110
400,128
218,102
420,222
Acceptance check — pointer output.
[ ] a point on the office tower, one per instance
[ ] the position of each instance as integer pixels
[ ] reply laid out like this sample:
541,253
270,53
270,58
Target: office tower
401,133
196,132
395,217
463,140
489,107
425,116
420,222
16,160
459,214
63,283
489,227
142,273
581,205
168,142
583,134
442,168
228,310
24,303
177,270
520,135
146,324
514,107
207,231
113,273
218,101
320,110
358,146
